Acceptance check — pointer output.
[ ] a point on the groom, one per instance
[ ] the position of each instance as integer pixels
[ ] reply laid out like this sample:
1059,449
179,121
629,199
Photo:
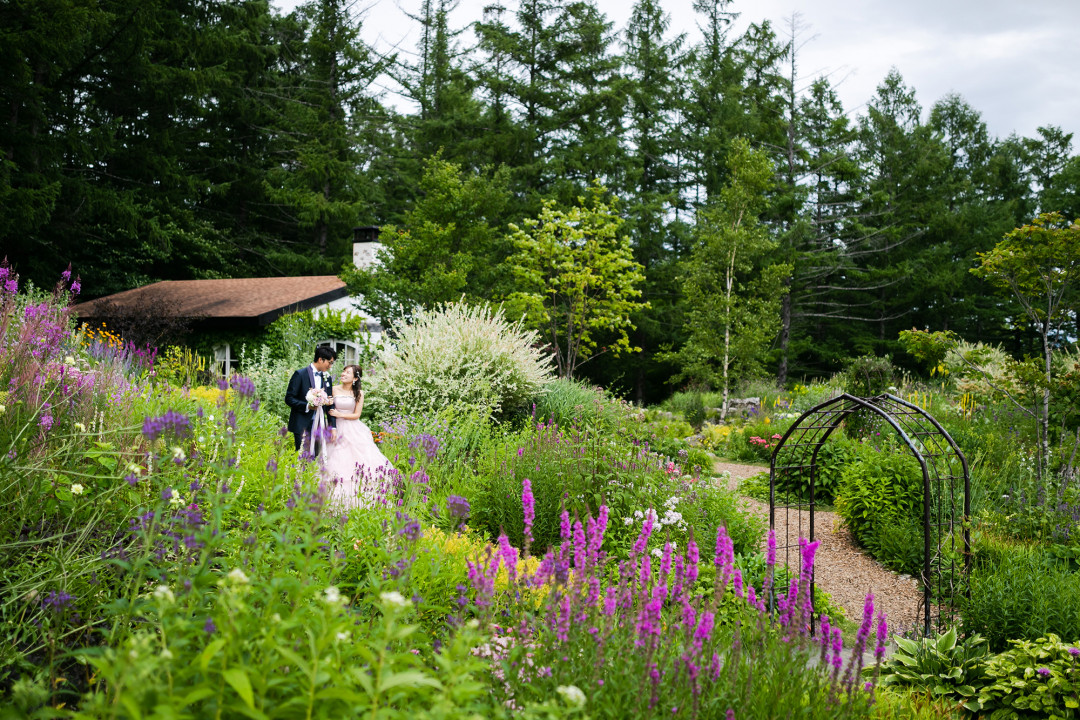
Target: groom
315,375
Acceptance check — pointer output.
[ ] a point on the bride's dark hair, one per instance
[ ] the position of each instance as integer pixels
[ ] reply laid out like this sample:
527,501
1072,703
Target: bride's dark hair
357,373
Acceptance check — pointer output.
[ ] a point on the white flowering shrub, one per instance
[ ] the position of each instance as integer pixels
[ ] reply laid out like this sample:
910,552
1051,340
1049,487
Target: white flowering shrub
456,355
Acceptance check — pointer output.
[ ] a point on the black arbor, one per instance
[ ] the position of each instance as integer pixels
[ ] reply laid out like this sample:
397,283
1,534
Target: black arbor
946,487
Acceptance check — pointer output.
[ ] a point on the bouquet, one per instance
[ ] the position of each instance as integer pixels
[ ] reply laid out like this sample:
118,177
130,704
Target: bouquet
317,397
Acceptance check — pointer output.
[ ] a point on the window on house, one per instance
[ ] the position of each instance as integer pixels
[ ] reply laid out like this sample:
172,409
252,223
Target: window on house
348,353
225,361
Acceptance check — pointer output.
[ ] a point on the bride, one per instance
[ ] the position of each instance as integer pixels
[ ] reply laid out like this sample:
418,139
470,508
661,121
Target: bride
355,467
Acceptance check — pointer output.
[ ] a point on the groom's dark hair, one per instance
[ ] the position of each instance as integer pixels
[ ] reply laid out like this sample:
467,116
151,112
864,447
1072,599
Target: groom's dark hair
325,353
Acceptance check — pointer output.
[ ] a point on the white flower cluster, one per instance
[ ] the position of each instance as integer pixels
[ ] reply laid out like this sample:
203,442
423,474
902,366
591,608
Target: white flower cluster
460,356
572,694
394,600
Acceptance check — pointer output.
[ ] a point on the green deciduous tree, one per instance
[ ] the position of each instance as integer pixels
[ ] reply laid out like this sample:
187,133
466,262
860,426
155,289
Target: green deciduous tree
576,280
732,290
1040,264
450,245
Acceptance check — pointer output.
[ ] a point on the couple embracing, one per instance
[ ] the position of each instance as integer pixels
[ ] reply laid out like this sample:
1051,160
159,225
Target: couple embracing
324,419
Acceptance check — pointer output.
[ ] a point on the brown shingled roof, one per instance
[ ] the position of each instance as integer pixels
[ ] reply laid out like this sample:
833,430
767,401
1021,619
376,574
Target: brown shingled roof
255,300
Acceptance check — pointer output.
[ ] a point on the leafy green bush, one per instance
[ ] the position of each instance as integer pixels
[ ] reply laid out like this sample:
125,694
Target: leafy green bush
1033,679
470,358
576,402
943,665
1022,594
869,375
832,460
878,488
898,545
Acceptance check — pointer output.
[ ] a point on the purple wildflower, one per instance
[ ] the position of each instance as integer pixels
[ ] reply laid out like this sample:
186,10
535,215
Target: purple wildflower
528,504
57,602
562,631
209,627
1075,652
244,387
646,530
1045,672
509,557
564,525
172,421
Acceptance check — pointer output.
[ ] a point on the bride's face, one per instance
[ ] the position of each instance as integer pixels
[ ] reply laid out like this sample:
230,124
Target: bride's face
347,376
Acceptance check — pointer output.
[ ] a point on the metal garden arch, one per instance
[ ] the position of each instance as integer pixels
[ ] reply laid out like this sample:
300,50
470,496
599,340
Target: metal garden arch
946,488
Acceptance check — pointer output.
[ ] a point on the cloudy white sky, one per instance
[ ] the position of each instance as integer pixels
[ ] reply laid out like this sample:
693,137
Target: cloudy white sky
1017,62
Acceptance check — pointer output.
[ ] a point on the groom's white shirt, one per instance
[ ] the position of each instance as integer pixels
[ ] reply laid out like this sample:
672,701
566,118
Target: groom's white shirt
317,375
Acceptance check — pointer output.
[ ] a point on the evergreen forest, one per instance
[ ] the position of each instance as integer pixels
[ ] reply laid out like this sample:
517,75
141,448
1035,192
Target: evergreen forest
147,140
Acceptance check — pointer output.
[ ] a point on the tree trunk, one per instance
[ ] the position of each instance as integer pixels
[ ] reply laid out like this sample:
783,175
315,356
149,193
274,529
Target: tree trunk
785,339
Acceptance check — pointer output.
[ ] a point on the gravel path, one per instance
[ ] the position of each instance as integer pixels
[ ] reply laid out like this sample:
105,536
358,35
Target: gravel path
841,568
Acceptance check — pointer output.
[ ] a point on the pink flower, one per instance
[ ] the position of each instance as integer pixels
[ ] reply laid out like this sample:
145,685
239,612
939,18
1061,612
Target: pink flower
528,504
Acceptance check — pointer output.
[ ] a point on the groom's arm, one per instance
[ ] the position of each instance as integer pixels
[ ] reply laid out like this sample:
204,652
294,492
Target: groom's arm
294,395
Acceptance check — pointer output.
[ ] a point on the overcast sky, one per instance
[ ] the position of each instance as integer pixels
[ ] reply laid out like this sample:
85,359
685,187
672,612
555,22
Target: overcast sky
1016,62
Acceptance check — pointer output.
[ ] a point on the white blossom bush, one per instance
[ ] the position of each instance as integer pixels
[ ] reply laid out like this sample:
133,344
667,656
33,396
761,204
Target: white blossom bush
458,356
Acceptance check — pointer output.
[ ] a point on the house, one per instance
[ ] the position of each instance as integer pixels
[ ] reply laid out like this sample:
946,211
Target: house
233,310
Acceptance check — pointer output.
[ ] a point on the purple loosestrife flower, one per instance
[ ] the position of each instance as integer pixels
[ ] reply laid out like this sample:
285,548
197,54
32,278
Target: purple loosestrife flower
824,639
610,601
564,525
528,505
723,557
581,550
509,557
730,714
703,630
646,530
562,631
882,637
770,562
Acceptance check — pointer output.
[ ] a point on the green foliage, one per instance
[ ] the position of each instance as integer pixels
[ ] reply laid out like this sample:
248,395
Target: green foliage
879,488
449,247
576,280
469,358
833,457
869,375
1033,679
1022,593
942,665
576,402
731,289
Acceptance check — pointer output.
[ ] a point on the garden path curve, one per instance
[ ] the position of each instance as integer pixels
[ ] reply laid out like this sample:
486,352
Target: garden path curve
842,570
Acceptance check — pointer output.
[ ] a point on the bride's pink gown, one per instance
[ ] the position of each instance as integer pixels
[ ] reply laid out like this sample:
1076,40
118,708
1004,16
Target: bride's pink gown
355,468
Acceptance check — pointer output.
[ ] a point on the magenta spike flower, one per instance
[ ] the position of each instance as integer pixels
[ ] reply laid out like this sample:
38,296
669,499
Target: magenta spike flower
580,548
882,637
723,556
528,504
645,574
737,582
509,557
601,528
824,639
610,598
643,539
562,631
692,560
703,630
680,577
564,525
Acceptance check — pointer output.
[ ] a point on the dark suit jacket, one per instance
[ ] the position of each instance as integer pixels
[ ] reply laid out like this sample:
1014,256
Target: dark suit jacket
300,419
